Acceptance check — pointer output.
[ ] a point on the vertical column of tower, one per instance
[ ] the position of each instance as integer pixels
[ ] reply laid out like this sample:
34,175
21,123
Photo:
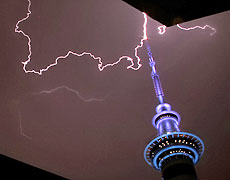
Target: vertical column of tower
165,121
173,152
156,80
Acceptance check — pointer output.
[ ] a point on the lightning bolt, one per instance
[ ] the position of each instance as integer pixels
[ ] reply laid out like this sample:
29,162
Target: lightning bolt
101,67
145,27
198,27
70,90
17,30
162,28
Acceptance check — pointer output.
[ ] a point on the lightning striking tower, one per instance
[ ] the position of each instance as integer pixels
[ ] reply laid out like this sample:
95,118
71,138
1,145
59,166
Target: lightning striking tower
173,152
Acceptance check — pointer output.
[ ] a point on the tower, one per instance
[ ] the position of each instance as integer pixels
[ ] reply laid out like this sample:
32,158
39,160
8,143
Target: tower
173,152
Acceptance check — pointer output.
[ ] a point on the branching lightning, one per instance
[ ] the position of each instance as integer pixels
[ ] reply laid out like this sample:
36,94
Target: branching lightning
17,30
70,90
86,100
101,67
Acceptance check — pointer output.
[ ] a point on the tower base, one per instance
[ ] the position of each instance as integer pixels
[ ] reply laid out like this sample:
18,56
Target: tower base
179,169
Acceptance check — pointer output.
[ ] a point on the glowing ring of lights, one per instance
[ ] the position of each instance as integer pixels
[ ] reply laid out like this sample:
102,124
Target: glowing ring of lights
199,151
165,113
157,165
169,118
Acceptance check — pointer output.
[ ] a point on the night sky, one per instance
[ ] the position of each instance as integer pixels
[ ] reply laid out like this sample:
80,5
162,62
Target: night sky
80,123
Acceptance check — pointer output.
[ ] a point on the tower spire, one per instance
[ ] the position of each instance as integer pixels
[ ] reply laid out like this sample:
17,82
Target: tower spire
156,80
173,152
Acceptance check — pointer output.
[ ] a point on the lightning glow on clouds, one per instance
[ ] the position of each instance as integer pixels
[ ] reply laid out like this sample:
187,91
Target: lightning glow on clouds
70,90
20,127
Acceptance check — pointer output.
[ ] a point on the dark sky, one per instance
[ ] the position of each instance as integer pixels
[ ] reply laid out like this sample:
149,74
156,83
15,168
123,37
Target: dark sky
95,125
170,13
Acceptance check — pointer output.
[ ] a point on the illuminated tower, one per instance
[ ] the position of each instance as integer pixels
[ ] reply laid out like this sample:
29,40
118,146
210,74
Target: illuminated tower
173,152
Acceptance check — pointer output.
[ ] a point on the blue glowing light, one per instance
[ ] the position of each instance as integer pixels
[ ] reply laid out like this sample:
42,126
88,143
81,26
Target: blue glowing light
175,114
174,154
170,142
166,121
197,151
195,160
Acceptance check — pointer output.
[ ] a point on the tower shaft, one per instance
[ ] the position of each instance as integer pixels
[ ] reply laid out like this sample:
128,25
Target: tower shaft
173,152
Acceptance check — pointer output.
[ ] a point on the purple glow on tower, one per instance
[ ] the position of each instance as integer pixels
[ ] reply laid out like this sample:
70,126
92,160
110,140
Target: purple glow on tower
166,120
172,148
